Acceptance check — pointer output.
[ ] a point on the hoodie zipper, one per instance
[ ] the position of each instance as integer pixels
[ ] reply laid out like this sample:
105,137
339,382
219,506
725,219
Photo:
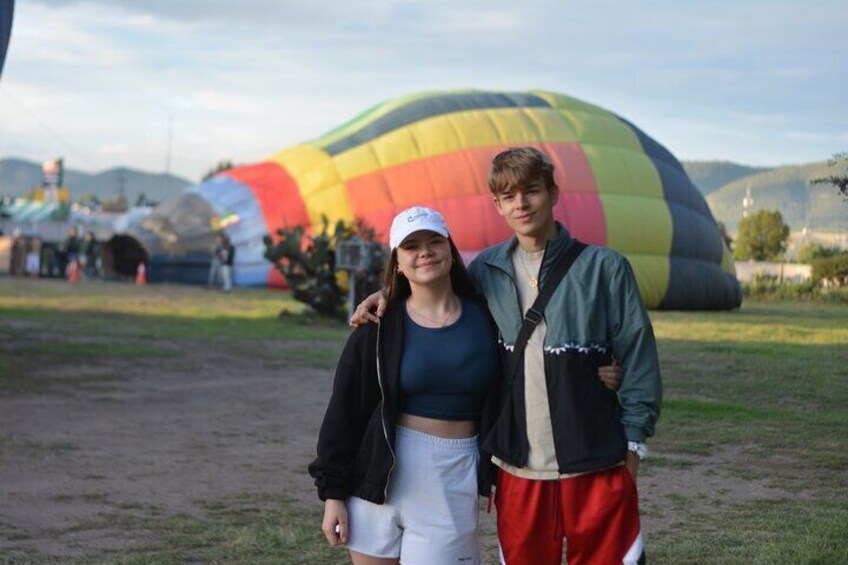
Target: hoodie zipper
383,417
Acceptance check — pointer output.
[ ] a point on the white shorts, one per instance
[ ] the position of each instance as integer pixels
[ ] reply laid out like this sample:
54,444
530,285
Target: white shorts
430,515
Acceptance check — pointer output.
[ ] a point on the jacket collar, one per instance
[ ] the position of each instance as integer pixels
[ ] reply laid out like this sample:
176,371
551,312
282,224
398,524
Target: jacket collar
502,255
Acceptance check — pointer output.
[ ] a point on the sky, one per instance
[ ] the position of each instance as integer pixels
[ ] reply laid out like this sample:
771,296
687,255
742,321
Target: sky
178,85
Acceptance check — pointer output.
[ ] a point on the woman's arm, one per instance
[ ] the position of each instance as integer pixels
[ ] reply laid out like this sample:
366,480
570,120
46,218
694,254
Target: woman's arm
354,398
335,521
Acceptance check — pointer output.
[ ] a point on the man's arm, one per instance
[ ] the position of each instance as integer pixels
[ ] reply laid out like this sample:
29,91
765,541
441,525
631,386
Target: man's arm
374,306
634,345
369,310
632,462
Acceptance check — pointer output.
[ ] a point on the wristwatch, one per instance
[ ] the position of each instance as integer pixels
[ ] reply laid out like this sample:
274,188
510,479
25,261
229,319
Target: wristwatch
639,448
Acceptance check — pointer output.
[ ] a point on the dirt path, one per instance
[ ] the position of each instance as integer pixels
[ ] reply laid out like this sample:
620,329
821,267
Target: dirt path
158,439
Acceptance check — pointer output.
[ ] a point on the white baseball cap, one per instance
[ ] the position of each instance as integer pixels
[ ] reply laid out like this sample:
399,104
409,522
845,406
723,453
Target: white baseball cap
417,218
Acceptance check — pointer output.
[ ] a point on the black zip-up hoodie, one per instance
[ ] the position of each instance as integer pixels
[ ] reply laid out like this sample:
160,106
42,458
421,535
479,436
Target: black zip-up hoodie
357,439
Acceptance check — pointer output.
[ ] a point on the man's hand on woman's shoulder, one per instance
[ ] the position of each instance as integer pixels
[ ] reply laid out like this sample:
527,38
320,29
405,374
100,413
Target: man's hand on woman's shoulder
369,310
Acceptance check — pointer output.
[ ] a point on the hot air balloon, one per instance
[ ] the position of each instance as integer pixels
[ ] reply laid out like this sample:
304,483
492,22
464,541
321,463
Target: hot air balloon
619,188
7,9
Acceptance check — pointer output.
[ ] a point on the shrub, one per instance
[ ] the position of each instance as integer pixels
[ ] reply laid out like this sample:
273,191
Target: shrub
769,287
829,283
832,270
812,251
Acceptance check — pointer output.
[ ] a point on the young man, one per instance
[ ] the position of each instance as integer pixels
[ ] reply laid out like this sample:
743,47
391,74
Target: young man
561,439
567,448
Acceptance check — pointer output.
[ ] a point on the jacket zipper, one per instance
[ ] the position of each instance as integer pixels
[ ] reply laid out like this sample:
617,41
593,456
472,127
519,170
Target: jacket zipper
383,418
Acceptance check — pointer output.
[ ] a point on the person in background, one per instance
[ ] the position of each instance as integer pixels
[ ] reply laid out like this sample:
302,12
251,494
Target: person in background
227,254
221,265
50,260
90,249
70,250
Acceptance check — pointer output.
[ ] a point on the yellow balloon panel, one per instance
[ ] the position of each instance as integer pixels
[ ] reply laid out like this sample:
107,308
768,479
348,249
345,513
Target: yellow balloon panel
602,129
454,132
318,181
652,275
564,102
608,168
637,224
644,180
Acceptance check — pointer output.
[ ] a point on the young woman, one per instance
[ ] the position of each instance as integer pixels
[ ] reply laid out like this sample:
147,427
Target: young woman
398,458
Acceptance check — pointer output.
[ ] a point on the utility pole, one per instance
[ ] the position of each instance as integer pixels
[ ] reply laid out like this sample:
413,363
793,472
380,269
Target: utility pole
122,190
168,155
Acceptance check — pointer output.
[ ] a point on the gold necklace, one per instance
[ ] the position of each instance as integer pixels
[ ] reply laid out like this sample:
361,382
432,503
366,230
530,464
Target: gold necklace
534,281
436,323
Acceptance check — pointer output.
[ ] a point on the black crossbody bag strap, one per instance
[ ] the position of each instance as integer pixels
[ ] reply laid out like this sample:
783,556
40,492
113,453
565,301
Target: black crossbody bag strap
535,313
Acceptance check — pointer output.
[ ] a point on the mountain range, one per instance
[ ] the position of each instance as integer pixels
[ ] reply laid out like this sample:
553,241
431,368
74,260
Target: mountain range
18,177
723,183
816,207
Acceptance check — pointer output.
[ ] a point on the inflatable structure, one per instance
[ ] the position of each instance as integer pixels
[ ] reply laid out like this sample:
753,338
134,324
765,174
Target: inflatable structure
619,188
7,9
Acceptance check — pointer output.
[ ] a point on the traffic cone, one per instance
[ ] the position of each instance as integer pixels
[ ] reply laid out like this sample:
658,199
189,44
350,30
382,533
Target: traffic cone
141,275
73,272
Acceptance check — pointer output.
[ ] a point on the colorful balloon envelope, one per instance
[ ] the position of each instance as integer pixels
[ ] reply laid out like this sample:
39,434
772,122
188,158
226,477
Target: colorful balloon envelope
7,8
619,188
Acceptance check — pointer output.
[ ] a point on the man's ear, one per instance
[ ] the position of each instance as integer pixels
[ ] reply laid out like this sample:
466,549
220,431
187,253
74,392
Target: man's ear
498,205
554,192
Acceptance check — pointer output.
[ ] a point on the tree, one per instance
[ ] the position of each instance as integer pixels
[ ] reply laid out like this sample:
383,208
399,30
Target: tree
762,236
839,179
219,167
722,231
812,251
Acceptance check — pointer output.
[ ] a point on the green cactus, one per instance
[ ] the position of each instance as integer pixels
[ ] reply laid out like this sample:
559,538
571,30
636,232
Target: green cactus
309,264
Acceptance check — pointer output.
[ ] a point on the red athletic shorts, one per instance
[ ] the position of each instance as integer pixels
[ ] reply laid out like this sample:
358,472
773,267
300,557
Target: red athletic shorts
596,513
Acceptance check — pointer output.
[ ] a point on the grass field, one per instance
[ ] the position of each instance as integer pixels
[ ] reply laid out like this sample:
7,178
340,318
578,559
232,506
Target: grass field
748,466
769,385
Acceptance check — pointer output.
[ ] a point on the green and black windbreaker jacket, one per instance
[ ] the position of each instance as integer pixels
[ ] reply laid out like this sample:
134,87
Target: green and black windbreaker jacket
595,314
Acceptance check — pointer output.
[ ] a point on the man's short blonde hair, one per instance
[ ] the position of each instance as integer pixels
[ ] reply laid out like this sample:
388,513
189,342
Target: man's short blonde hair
517,167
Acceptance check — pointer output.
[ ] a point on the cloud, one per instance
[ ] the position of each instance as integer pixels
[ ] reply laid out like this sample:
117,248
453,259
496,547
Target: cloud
245,12
837,139
113,150
245,79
